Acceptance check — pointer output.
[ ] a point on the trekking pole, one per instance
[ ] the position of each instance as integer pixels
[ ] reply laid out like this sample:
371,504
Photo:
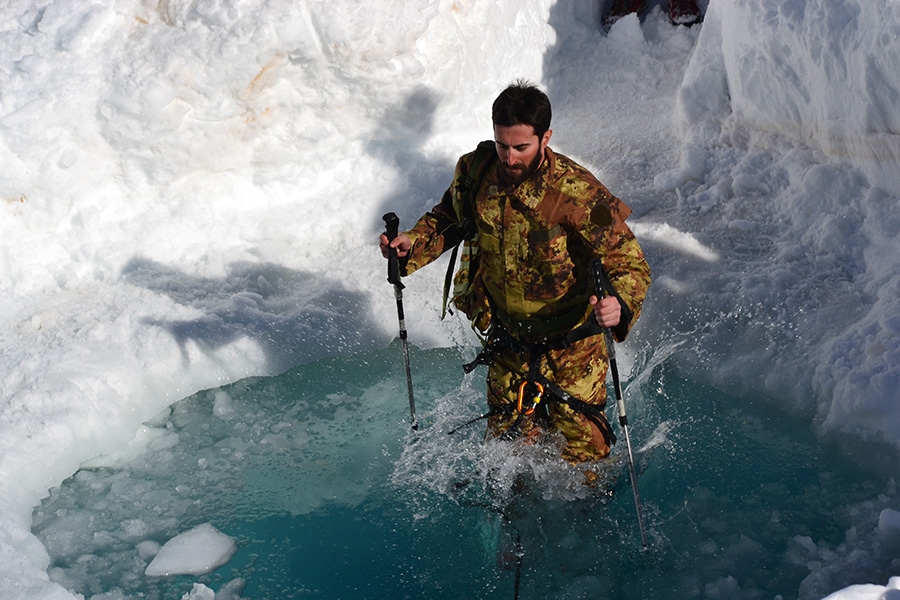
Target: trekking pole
392,224
603,288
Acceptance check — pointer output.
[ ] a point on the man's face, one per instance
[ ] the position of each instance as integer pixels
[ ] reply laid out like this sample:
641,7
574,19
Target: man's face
520,151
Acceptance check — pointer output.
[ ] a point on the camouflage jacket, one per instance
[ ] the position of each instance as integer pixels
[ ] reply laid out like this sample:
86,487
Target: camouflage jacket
534,244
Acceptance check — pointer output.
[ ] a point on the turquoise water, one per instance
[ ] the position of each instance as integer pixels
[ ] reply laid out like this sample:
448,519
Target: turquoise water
329,494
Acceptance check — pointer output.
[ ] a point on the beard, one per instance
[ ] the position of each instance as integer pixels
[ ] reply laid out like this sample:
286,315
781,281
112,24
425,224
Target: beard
516,174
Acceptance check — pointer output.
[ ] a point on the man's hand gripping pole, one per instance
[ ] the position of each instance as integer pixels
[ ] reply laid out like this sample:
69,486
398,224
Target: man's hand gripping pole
392,224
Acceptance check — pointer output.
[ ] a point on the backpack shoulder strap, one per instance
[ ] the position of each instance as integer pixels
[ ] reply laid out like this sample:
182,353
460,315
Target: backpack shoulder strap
467,184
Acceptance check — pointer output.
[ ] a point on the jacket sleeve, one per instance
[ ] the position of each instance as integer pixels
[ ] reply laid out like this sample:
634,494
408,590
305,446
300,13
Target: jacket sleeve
613,242
629,274
436,231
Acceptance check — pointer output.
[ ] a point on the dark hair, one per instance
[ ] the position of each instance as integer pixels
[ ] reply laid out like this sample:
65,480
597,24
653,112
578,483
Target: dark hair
522,103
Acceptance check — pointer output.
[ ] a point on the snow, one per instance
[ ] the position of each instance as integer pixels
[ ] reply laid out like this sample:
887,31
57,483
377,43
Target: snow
195,552
191,192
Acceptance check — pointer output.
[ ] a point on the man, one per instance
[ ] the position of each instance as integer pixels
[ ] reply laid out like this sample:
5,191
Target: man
532,221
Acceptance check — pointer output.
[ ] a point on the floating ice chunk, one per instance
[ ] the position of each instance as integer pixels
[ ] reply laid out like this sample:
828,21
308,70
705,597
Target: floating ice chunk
889,522
199,592
148,549
193,552
806,542
232,590
867,591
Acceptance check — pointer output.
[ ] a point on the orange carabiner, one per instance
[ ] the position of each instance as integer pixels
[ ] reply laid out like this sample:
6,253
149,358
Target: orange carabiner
537,398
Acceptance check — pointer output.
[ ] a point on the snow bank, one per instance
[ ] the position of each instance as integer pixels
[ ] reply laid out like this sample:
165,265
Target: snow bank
823,72
791,140
190,195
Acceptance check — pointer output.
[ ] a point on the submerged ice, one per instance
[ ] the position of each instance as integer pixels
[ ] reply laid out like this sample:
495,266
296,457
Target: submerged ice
191,193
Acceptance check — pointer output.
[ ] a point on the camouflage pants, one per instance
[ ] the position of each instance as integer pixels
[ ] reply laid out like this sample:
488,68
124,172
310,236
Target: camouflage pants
580,370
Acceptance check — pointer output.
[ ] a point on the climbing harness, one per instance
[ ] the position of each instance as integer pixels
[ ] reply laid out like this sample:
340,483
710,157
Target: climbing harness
542,390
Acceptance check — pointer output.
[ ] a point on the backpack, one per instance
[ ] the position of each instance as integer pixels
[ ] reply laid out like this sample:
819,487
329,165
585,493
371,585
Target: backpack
468,290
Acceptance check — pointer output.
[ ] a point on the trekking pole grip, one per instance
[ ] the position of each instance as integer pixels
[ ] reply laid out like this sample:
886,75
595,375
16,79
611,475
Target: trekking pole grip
602,285
391,227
